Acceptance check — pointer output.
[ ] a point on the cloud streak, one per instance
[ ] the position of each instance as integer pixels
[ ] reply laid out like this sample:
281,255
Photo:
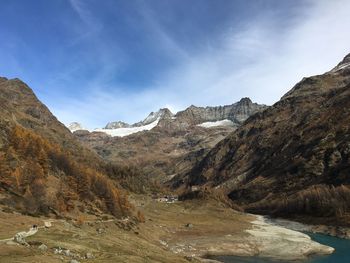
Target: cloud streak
260,60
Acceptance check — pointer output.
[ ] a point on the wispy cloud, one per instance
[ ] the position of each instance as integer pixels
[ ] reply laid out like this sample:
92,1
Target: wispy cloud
81,10
91,25
161,37
260,60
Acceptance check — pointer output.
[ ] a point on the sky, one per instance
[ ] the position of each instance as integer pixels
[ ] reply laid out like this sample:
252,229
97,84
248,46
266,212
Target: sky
96,61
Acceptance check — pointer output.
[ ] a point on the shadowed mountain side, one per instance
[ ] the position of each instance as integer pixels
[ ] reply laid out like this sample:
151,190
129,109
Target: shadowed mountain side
292,158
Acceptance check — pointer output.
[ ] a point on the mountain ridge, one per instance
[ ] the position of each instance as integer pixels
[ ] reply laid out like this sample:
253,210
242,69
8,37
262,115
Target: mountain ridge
171,143
193,115
294,151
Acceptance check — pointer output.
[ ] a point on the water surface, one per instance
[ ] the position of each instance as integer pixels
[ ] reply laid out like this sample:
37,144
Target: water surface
341,254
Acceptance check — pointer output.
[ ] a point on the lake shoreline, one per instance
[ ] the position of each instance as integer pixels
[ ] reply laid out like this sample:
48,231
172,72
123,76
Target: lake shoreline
271,242
334,231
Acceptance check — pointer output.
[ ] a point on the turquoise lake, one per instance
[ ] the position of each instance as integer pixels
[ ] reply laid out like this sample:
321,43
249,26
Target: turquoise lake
341,254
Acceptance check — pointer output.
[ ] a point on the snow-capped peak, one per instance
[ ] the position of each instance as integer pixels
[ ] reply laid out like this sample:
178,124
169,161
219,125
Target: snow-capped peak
153,116
117,124
75,126
121,129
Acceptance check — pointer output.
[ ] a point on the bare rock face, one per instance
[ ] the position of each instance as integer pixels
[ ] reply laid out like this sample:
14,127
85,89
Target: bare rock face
293,158
164,113
117,124
237,113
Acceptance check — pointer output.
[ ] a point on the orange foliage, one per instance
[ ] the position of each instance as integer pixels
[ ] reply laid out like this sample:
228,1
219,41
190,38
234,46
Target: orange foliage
140,217
32,158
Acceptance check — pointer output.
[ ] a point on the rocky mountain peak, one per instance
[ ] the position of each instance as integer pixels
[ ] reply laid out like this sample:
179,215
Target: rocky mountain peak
17,94
165,112
316,85
117,125
236,113
153,116
346,59
75,126
245,100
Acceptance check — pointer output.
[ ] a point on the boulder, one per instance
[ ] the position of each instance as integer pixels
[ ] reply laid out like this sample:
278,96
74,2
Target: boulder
42,247
47,224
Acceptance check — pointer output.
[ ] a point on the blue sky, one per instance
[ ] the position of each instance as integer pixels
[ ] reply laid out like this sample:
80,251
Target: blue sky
98,61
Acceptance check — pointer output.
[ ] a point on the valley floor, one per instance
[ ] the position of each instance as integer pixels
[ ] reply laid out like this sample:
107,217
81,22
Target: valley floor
176,232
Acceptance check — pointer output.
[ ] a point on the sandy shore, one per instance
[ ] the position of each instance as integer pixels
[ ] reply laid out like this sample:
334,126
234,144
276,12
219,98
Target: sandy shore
282,243
219,231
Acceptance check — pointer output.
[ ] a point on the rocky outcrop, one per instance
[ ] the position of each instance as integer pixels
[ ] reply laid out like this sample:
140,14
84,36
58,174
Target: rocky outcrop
294,157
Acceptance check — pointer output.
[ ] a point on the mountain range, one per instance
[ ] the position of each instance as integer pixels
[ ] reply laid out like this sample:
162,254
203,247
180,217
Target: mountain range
228,115
165,143
292,159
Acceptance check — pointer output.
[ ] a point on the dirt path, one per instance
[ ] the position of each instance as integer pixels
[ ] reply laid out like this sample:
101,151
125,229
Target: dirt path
33,230
23,234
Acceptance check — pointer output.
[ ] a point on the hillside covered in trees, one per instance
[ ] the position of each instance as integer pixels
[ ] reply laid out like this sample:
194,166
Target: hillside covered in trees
43,169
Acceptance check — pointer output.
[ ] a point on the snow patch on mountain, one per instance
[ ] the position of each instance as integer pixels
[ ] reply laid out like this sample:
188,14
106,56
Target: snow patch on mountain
210,124
121,132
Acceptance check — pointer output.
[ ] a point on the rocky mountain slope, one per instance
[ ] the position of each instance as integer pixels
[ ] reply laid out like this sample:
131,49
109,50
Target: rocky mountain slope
175,142
43,168
293,159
